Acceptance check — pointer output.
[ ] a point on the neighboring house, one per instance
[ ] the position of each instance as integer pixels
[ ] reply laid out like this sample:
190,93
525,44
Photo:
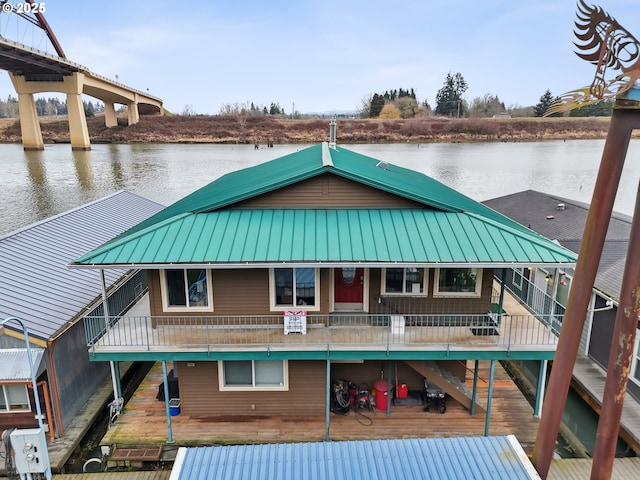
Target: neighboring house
50,299
563,220
271,283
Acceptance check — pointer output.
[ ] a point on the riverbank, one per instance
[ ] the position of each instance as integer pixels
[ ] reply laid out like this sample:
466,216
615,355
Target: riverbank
263,130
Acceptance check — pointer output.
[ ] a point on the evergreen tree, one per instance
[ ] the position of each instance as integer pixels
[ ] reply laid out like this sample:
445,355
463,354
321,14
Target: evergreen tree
377,103
545,102
449,97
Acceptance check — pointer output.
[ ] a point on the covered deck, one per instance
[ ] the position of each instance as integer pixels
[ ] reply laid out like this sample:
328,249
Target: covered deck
313,336
144,420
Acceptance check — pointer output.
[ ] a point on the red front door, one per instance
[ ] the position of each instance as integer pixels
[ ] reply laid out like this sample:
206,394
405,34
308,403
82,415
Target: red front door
348,286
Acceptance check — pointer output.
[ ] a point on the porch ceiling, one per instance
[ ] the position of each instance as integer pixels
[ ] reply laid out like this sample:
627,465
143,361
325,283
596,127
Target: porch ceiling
385,236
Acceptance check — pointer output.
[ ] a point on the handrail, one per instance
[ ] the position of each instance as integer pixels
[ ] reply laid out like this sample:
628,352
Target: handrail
323,332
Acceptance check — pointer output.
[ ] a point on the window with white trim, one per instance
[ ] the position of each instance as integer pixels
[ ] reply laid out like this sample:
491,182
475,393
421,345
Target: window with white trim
404,281
187,289
294,287
465,282
235,375
517,274
14,398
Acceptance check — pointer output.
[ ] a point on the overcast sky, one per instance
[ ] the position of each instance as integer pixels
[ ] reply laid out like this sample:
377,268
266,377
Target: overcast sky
321,55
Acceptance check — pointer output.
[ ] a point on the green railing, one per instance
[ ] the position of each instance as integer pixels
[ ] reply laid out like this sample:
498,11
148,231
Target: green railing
322,332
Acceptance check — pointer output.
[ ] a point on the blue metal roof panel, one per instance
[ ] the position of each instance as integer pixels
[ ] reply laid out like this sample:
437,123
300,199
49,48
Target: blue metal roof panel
329,235
463,458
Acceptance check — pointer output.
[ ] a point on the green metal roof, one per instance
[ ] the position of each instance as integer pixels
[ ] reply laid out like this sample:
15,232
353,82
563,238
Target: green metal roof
326,236
317,160
451,229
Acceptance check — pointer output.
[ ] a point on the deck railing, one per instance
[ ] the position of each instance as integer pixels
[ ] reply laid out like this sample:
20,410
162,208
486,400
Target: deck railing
323,332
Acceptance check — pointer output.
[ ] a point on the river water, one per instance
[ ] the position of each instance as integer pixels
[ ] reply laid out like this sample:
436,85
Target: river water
36,185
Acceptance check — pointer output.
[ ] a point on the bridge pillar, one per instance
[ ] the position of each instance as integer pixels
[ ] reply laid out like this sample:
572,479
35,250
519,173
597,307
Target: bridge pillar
29,124
110,119
78,131
133,115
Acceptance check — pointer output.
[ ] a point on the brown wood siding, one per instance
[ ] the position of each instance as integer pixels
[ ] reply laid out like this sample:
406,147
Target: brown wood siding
200,396
428,304
327,190
10,420
236,292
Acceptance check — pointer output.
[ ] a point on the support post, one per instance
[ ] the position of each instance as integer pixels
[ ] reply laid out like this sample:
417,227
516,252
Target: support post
110,118
623,121
117,402
133,116
487,420
327,410
474,393
620,355
389,386
542,380
165,382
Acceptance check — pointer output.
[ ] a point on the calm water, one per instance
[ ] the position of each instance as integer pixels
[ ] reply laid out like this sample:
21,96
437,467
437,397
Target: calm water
36,185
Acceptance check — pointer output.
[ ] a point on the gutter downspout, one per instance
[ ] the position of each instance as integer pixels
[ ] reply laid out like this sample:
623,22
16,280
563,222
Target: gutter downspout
54,389
118,401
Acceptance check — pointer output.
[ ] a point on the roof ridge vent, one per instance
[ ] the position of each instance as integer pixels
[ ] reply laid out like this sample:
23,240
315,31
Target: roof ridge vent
327,161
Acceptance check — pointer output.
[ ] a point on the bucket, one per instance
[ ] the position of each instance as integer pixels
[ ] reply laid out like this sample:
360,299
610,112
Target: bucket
382,394
174,407
402,391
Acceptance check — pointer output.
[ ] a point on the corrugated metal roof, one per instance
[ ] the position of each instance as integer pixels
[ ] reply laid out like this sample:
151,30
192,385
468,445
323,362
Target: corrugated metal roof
376,236
462,458
15,363
35,283
307,163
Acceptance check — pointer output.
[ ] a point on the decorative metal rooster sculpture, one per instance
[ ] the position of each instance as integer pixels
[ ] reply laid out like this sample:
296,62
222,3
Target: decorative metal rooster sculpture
609,46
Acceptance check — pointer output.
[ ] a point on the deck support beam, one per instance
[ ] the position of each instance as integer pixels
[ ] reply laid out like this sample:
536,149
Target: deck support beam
474,392
327,414
487,421
542,381
165,383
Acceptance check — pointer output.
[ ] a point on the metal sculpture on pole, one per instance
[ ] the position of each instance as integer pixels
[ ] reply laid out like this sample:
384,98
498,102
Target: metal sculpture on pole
608,45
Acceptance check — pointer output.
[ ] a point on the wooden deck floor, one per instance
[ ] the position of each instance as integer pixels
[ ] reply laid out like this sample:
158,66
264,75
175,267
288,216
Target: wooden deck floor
144,421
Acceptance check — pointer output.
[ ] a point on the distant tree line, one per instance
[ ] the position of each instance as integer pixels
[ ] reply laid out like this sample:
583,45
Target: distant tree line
49,107
252,109
450,102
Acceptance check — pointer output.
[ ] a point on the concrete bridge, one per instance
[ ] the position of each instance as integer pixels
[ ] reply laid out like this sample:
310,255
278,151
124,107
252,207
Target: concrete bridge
33,71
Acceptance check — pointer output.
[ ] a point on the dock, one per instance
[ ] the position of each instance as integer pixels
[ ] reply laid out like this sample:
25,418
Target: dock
144,421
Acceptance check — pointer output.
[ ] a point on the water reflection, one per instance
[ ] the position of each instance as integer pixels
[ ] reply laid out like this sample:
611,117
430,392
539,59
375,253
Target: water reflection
41,196
84,173
36,185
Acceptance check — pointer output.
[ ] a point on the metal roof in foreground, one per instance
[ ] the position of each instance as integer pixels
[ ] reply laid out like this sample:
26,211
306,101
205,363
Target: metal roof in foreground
382,236
460,458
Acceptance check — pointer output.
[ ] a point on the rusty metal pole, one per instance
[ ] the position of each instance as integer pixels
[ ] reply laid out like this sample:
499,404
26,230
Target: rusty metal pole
604,193
622,344
620,356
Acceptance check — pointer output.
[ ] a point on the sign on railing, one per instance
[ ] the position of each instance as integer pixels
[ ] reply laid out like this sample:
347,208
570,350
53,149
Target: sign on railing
295,322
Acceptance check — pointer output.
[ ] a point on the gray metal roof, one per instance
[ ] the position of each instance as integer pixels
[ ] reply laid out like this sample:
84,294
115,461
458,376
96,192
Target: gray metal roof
461,458
533,209
15,363
35,283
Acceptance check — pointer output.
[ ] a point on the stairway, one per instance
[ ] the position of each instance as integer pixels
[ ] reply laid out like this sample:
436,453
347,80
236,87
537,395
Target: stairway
446,381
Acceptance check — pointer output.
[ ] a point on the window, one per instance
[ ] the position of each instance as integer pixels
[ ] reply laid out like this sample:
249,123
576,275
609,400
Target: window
409,281
635,361
458,282
253,374
14,398
187,289
516,278
294,287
